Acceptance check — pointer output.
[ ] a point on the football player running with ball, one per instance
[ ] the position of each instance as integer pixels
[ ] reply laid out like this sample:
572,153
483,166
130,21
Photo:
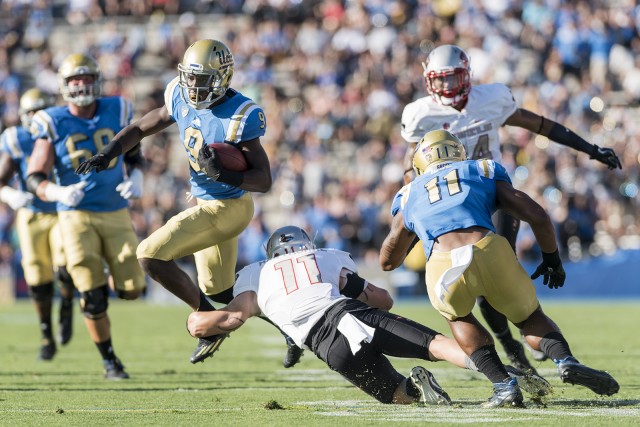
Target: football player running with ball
449,206
93,211
474,114
37,227
207,111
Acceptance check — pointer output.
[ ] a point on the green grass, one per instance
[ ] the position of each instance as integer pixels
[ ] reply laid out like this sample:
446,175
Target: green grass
246,376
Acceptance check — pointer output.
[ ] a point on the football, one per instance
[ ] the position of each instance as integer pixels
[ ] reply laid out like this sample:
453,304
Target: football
230,157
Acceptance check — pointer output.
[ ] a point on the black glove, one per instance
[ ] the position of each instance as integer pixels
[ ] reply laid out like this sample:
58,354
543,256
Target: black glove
211,166
551,269
606,156
99,162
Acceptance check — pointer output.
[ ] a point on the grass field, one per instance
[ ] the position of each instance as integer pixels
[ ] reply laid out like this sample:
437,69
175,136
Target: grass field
233,388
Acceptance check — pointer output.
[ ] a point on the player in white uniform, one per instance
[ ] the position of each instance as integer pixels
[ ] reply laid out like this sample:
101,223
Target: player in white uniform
474,114
309,293
317,298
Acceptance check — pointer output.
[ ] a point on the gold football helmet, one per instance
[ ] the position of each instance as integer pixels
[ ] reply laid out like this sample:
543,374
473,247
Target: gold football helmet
436,147
31,101
289,239
78,64
205,72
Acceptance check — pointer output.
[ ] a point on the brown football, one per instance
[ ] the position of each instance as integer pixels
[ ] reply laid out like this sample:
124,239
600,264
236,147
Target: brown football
230,157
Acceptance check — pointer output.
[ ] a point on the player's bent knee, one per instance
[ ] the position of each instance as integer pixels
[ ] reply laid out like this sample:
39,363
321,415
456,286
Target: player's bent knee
94,303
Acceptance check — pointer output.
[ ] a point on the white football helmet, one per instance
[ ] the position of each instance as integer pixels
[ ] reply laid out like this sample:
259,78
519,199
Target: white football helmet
437,147
78,64
205,72
286,240
447,75
31,101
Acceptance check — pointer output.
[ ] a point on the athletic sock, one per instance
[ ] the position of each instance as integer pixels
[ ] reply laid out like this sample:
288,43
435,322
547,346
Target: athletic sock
106,350
487,360
555,346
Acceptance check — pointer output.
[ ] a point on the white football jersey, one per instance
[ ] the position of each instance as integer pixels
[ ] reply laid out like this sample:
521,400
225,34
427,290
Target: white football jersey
477,125
295,290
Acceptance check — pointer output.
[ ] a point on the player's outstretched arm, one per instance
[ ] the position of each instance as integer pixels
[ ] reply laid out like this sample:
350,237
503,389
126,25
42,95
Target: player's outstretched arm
562,135
353,286
129,137
227,319
523,207
396,245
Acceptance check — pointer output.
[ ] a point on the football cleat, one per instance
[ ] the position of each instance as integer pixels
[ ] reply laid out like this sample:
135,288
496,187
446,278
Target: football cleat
114,370
47,350
573,372
294,353
532,383
537,355
66,322
516,356
505,394
430,391
206,347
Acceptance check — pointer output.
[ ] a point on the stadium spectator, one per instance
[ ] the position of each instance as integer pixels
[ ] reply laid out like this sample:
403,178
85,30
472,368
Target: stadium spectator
37,228
449,207
92,210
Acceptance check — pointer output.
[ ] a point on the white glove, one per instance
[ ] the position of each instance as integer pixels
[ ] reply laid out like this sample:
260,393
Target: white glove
70,195
131,188
16,199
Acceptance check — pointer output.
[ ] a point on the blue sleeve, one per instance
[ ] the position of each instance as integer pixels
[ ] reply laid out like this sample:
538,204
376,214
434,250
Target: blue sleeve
255,125
501,173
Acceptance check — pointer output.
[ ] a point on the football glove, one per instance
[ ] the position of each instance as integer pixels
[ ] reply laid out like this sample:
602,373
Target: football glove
551,269
211,166
99,162
131,188
70,195
16,199
606,156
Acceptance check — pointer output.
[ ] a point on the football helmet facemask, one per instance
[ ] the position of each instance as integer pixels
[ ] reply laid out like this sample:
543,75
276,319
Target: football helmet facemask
436,148
205,73
447,75
31,101
78,64
286,240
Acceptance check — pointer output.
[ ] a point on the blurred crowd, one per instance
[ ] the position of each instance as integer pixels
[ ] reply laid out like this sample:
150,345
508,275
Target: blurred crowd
333,77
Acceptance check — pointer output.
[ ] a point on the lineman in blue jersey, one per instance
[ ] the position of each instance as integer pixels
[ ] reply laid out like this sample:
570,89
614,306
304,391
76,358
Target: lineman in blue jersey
475,114
92,210
36,224
207,111
449,207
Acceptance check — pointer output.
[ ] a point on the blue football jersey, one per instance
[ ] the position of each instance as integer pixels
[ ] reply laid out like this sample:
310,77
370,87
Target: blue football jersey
235,120
457,196
17,143
76,139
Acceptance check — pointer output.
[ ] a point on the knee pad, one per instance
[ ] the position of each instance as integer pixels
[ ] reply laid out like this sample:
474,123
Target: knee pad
95,302
42,293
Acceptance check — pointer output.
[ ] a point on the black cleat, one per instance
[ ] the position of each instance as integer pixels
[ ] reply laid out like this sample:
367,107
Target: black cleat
206,347
573,372
66,323
114,370
505,394
516,356
430,391
294,353
47,350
